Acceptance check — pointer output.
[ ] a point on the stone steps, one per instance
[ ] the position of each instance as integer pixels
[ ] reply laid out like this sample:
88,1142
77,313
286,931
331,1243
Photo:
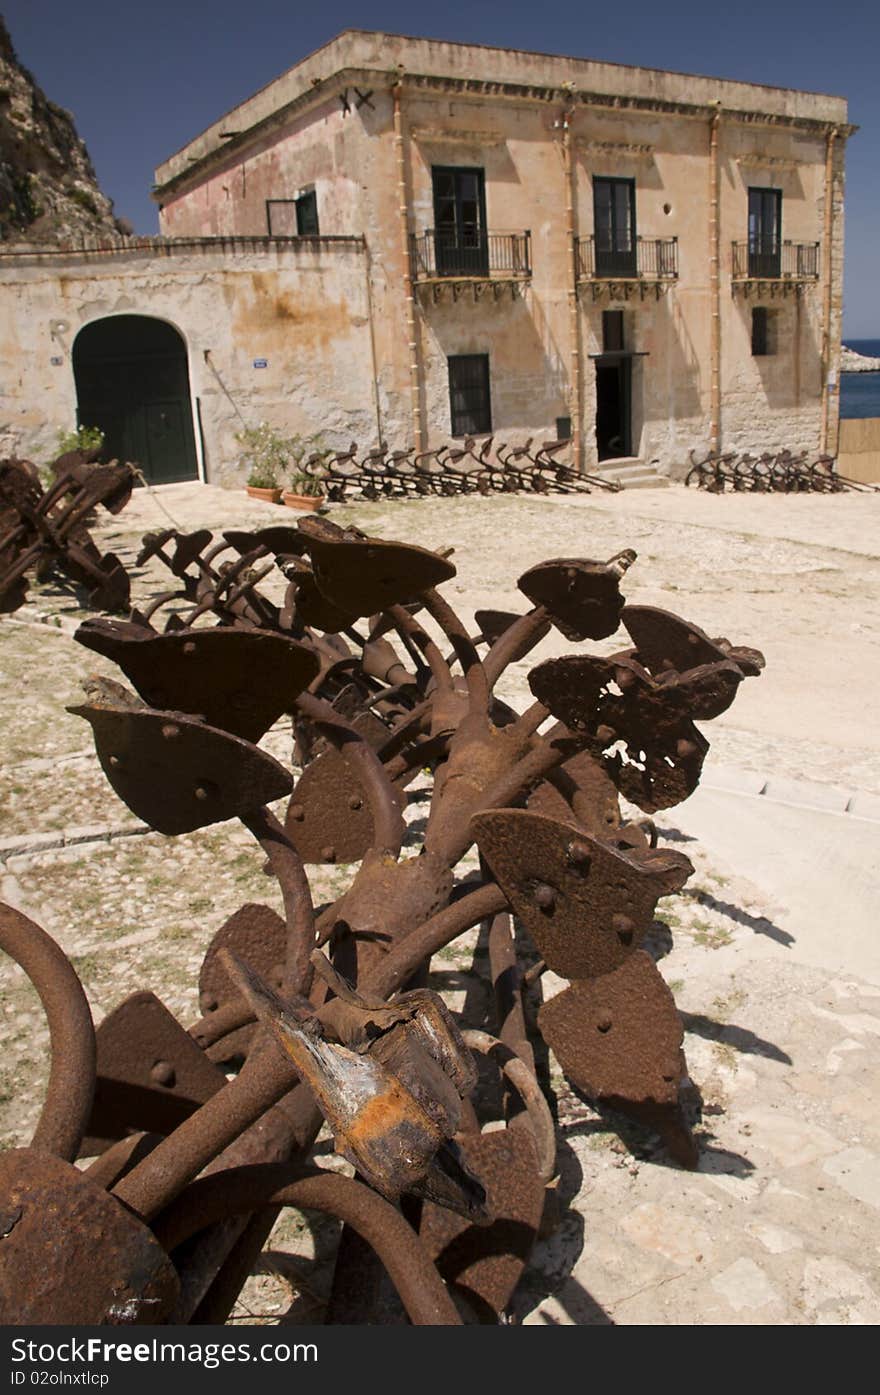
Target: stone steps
632,473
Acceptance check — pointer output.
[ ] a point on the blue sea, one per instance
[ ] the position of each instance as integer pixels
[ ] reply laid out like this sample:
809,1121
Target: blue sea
860,392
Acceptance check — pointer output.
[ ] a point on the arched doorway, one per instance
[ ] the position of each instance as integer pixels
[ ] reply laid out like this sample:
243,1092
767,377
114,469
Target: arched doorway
132,380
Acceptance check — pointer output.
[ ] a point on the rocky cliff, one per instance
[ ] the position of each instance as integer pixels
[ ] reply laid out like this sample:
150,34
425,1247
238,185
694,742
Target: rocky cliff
852,362
48,189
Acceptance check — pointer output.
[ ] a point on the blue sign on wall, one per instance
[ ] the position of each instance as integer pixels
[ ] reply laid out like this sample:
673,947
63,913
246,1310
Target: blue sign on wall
261,363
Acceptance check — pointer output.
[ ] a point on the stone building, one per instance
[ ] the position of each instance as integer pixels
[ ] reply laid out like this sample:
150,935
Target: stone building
416,240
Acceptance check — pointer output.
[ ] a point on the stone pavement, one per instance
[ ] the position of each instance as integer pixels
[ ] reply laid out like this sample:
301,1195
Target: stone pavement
771,951
780,994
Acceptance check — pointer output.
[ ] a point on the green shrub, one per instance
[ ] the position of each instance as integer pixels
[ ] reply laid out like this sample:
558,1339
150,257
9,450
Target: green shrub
84,438
84,199
263,477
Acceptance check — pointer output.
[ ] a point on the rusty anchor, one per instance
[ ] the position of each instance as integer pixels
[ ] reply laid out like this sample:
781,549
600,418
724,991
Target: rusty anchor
323,1016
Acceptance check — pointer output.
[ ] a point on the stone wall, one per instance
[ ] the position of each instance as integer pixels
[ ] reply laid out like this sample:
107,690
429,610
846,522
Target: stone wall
302,308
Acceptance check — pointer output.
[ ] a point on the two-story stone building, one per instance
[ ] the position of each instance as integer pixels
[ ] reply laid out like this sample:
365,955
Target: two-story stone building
416,240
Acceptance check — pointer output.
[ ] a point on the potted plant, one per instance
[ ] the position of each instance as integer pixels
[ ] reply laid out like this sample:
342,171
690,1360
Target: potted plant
306,487
306,490
265,453
262,483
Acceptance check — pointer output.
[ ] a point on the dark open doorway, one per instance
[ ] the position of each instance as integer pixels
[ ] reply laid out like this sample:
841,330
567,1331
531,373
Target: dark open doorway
132,380
613,406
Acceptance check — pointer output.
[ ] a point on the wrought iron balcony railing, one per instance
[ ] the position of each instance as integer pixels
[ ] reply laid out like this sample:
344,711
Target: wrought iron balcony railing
788,261
650,259
437,253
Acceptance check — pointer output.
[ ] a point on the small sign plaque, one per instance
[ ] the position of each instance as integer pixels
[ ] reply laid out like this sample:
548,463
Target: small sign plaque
261,363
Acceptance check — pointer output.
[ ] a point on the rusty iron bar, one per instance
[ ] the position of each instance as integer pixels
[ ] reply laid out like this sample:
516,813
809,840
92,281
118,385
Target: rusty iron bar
296,894
155,1182
507,982
247,1189
463,645
522,1077
71,1086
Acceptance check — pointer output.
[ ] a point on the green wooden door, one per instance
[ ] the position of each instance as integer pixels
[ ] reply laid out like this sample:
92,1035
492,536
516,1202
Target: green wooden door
132,380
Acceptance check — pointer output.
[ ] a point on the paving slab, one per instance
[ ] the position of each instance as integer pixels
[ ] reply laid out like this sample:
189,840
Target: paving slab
821,869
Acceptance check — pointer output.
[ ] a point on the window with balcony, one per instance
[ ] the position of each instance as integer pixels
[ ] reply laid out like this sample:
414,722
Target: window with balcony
469,402
614,227
461,247
765,233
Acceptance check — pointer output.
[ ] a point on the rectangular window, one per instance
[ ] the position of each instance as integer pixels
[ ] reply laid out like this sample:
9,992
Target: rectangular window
461,245
612,331
763,331
469,404
614,226
281,217
307,214
765,232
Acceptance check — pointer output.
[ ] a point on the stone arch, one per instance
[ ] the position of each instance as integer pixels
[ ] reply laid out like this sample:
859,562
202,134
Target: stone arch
132,380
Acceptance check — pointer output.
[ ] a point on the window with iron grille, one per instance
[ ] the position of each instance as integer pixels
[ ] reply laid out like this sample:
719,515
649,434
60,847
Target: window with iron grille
469,404
763,332
307,214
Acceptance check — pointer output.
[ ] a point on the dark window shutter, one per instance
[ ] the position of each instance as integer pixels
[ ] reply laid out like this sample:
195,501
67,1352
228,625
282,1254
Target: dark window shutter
307,214
759,332
469,403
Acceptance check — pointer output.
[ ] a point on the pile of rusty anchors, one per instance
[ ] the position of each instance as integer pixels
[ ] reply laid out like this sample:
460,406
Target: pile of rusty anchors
465,467
324,1015
45,528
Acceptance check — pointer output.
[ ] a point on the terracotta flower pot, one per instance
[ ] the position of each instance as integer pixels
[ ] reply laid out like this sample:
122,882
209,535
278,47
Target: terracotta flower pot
269,496
303,501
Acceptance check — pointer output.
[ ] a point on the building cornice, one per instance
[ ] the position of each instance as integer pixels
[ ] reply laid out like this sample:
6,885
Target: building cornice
236,144
103,249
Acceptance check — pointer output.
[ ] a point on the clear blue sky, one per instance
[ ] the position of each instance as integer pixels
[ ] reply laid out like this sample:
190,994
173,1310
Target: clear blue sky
142,79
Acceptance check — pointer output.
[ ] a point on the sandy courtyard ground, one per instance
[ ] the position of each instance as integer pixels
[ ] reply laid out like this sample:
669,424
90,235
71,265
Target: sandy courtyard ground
771,951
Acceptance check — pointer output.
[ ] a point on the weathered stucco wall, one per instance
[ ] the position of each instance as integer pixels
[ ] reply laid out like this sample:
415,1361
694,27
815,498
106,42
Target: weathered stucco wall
769,401
350,161
526,336
318,150
303,309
